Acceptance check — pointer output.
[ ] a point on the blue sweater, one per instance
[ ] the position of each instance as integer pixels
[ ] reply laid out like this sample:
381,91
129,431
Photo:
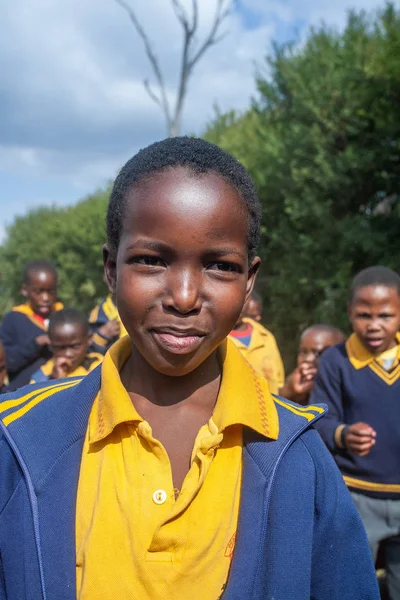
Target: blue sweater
18,333
356,388
299,534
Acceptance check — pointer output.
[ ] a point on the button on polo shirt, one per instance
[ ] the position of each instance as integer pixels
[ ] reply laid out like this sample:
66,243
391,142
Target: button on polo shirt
137,537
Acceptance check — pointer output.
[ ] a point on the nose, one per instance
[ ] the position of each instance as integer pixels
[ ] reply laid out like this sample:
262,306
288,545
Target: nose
69,353
374,325
183,292
45,296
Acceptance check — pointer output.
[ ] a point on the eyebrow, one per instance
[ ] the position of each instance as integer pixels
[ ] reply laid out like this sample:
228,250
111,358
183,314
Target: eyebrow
142,244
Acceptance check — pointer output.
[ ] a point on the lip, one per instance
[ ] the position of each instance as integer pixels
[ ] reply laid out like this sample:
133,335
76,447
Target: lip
178,341
374,342
44,309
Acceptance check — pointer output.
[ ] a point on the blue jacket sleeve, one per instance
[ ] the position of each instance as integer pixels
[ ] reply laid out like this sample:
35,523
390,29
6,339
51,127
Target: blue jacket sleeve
19,353
328,390
342,565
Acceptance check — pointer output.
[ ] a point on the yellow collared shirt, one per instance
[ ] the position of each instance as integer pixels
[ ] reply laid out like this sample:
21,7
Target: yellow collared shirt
263,354
133,538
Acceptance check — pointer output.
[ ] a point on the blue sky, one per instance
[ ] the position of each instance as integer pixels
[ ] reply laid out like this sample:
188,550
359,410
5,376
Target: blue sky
73,107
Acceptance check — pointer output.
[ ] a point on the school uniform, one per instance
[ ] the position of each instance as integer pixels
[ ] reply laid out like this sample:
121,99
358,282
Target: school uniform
358,386
101,314
263,512
91,361
259,347
18,332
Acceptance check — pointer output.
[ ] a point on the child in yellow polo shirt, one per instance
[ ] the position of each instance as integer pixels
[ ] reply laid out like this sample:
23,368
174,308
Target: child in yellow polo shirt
171,471
258,345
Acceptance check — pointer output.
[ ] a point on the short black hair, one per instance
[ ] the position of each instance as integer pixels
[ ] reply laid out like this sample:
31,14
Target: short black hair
36,266
376,275
334,331
68,316
199,157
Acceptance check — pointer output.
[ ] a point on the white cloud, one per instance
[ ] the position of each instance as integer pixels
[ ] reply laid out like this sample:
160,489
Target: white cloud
71,95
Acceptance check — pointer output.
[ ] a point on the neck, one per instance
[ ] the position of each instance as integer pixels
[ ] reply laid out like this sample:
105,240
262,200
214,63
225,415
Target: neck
140,379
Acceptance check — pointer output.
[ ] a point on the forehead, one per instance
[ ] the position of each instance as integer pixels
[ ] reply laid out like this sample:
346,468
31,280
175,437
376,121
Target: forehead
186,204
376,296
64,332
315,338
42,278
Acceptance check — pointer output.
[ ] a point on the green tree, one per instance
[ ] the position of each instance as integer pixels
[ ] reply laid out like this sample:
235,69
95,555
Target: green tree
322,141
71,237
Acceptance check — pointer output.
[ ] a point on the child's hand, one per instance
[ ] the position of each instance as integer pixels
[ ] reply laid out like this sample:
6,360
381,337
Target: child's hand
61,366
359,438
302,379
42,340
111,329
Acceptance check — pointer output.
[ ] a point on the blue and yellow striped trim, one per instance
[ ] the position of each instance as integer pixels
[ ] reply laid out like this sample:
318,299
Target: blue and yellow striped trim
308,412
20,406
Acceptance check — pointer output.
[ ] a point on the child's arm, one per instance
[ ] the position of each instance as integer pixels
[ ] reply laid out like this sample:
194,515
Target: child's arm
328,390
103,332
357,438
19,353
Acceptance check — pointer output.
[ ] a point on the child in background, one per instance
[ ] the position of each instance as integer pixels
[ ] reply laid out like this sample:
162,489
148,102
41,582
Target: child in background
24,329
69,341
172,472
105,325
3,371
254,307
313,342
360,382
259,347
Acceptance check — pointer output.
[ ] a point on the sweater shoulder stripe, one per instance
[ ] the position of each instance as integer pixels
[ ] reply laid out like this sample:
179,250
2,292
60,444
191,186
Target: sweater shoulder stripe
26,402
308,412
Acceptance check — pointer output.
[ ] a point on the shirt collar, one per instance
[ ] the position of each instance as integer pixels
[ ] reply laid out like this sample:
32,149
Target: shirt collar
244,397
358,354
26,308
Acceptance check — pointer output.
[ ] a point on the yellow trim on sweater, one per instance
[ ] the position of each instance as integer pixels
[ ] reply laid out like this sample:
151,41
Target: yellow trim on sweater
7,404
360,357
338,435
371,487
26,310
36,400
309,416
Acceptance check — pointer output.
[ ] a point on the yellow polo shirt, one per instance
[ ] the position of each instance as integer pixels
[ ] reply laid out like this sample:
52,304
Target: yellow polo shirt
133,538
263,354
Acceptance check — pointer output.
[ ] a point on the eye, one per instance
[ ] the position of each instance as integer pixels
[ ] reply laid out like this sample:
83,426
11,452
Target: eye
385,316
226,267
148,261
363,316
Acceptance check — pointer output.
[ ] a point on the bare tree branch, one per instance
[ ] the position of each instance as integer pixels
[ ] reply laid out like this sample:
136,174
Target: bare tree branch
190,57
221,14
152,94
152,58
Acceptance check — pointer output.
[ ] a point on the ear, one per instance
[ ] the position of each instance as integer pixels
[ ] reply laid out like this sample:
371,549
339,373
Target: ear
251,276
24,291
110,268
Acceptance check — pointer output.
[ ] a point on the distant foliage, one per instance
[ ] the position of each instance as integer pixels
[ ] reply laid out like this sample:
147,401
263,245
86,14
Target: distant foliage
322,141
71,237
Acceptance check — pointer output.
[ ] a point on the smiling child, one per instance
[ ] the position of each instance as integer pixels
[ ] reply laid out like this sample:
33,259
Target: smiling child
172,472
